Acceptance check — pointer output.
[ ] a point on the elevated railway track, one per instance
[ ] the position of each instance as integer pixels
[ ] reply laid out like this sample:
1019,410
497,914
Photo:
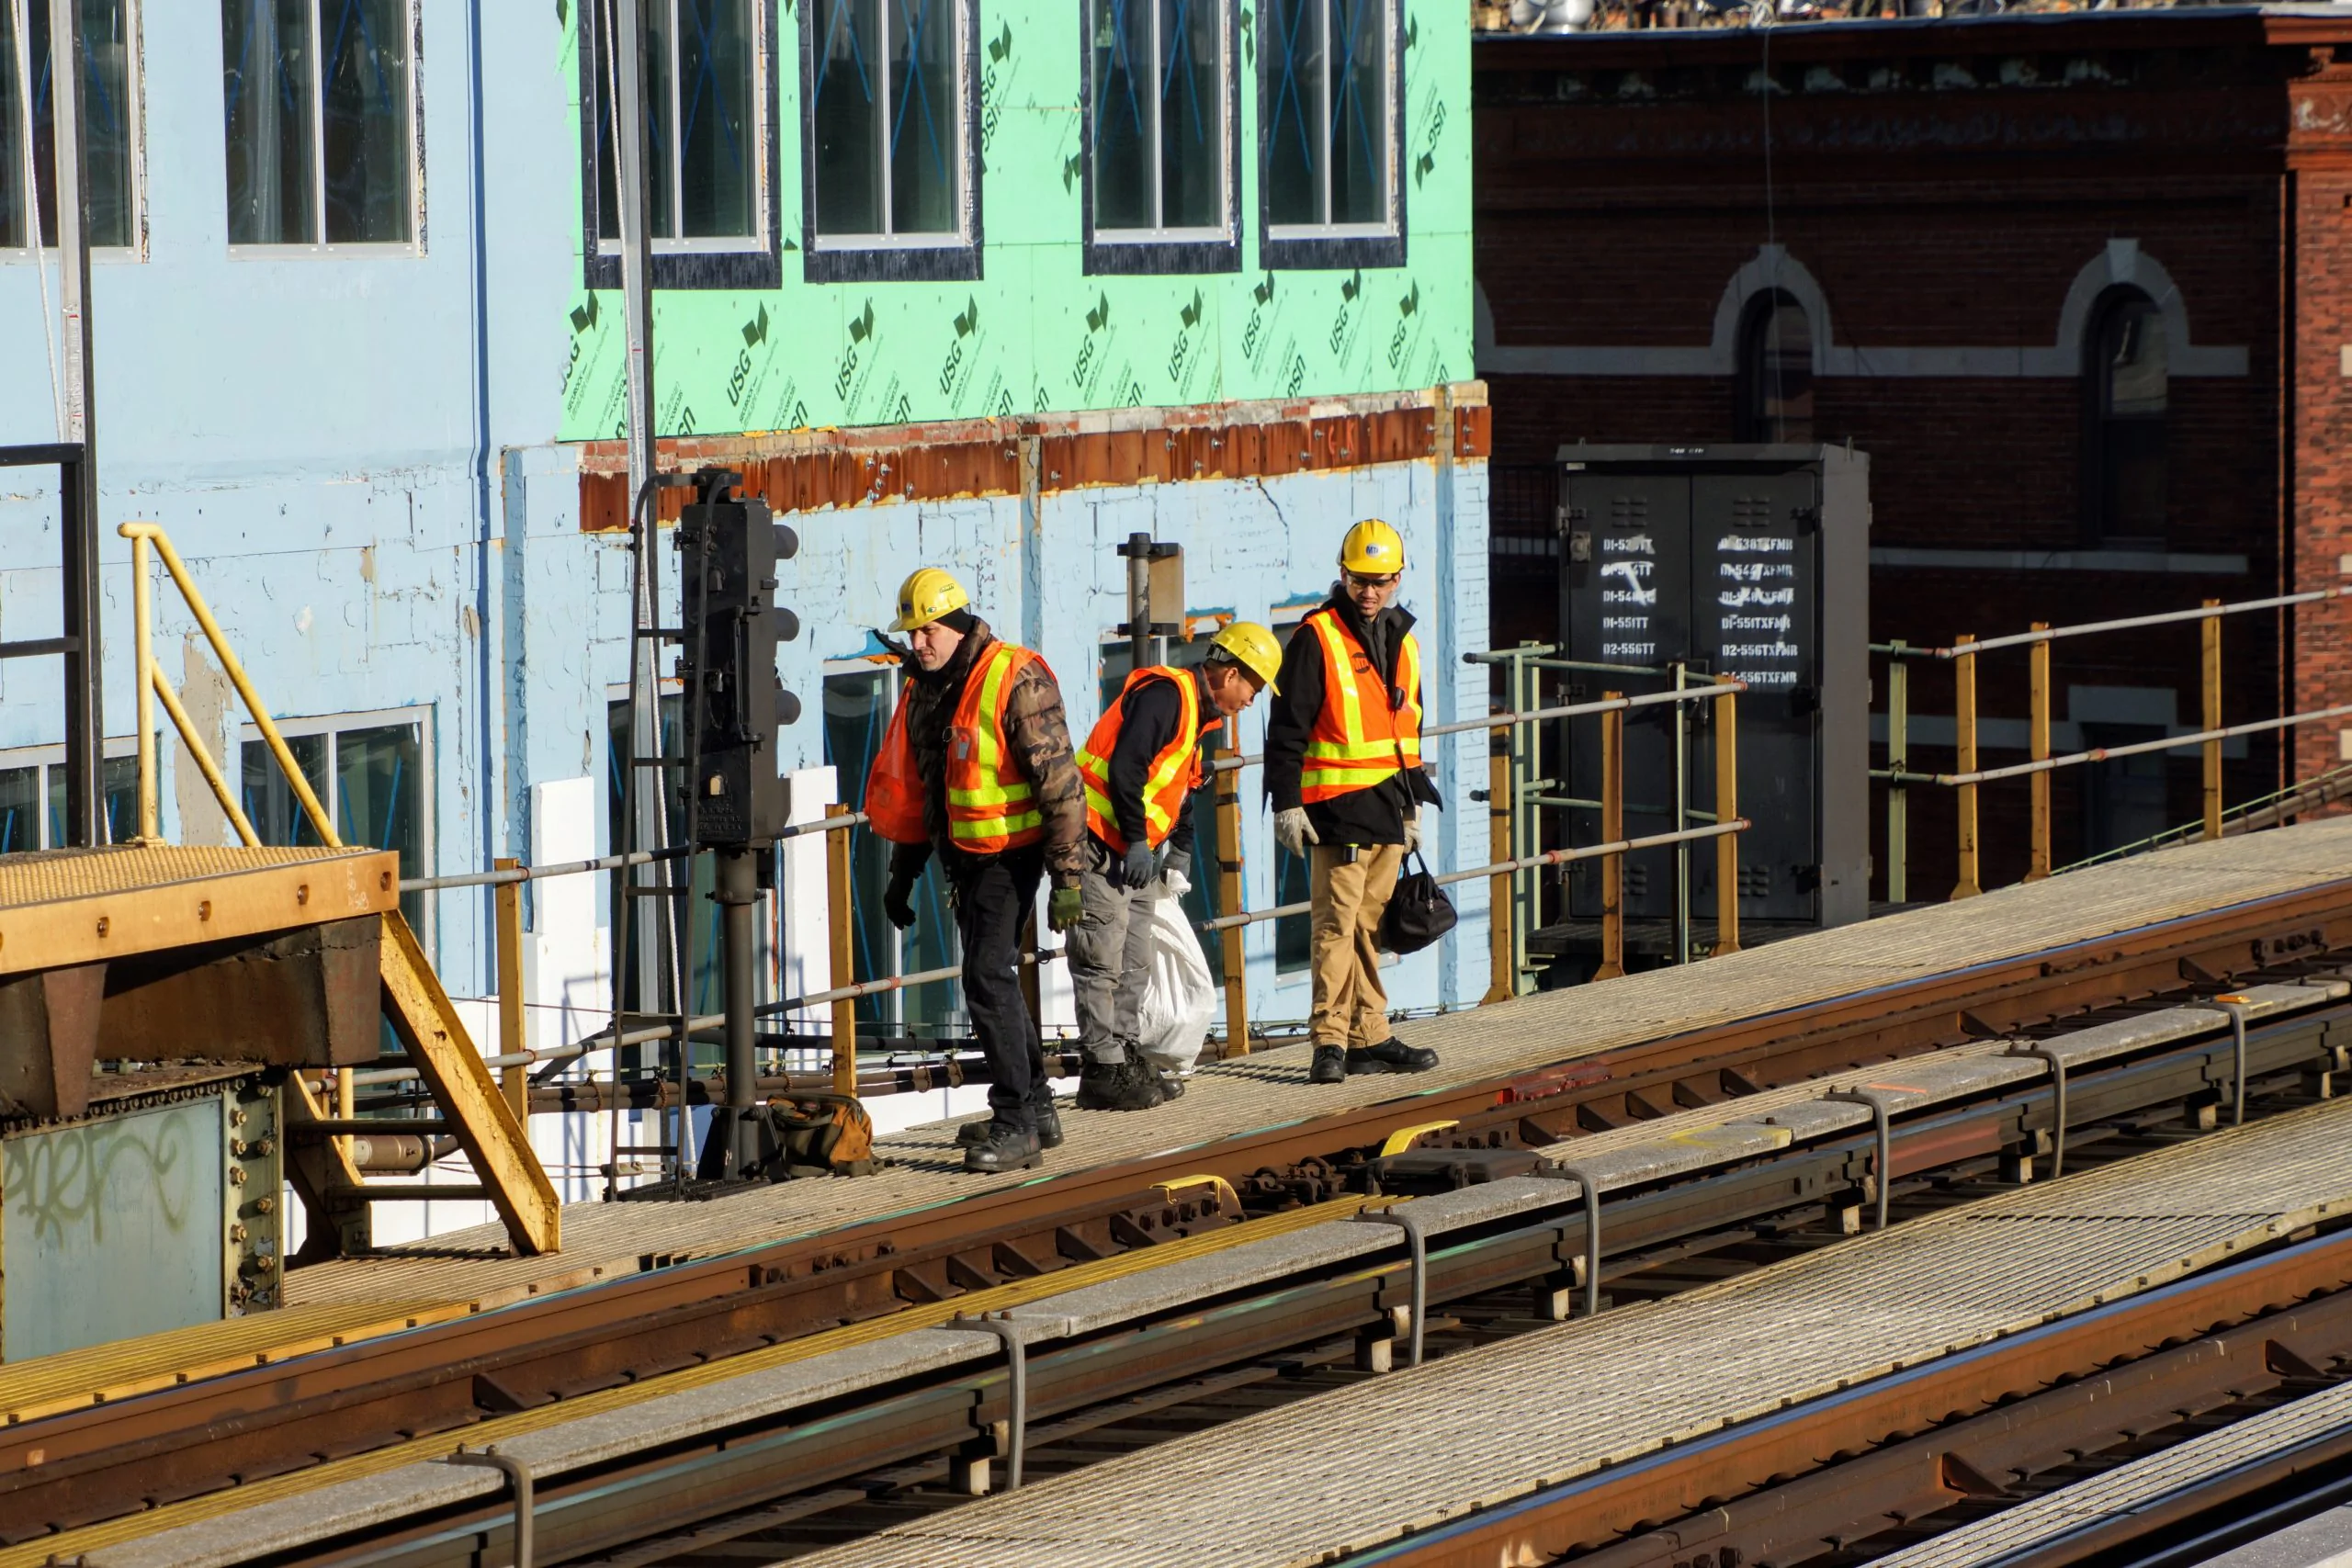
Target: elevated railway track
1721,1144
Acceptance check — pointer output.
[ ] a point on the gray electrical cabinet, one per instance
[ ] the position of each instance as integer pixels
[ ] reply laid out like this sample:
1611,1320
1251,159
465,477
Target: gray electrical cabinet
1743,561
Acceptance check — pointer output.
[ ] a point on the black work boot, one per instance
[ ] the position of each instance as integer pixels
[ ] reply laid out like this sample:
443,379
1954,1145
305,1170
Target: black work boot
972,1134
1123,1085
1009,1150
1050,1125
1171,1085
1391,1056
1330,1064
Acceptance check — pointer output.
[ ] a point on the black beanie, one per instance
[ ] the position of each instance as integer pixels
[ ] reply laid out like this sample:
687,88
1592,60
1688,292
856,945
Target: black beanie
960,622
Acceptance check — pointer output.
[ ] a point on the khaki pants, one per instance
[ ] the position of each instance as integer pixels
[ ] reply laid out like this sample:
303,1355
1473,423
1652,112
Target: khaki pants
1349,898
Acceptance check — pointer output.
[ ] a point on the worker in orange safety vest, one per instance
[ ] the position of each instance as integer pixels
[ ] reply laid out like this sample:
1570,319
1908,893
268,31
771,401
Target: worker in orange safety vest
977,768
1140,766
1343,769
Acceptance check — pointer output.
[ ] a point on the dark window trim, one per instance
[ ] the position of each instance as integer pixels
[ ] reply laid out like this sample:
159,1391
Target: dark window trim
2093,481
1340,251
744,268
1129,258
952,263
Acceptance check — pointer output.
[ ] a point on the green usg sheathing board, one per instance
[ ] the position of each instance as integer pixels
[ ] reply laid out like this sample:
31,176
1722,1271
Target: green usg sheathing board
1036,333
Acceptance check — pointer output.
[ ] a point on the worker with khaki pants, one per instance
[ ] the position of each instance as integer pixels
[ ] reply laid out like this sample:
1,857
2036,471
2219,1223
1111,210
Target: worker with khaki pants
1343,767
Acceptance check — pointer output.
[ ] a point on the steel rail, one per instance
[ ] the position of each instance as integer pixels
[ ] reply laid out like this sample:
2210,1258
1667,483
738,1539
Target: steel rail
604,1333
1588,1513
1964,1136
612,1504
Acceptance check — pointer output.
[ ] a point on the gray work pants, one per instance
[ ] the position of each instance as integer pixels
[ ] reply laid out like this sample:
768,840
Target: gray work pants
1110,958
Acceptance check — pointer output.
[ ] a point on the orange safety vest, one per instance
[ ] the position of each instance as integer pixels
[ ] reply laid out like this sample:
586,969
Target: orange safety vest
991,808
1175,771
1364,733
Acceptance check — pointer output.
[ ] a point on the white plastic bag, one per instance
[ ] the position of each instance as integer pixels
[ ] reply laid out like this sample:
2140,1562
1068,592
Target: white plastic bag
1179,999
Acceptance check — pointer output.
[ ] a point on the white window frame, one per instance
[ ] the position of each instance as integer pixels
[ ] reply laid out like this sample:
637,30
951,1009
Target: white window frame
945,248
47,757
1159,234
134,93
329,725
414,245
1323,245
607,107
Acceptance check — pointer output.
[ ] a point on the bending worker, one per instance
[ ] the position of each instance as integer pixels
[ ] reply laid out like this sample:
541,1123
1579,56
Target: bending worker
1141,765
976,766
1343,765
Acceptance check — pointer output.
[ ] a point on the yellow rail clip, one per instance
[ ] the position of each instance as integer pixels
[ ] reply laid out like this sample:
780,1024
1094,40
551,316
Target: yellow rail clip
1224,1189
1402,1138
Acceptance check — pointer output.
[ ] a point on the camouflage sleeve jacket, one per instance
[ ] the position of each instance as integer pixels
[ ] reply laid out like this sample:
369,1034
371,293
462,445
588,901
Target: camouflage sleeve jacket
1038,733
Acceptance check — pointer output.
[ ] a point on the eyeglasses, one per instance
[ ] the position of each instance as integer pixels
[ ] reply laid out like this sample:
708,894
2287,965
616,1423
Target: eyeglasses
1358,581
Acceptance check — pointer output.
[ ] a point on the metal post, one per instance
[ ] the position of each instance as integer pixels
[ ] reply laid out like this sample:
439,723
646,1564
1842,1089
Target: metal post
1527,821
844,954
738,877
643,806
1613,829
144,662
1502,976
2211,664
2038,744
1138,554
1228,899
1898,762
1965,721
78,491
1726,810
507,904
1681,819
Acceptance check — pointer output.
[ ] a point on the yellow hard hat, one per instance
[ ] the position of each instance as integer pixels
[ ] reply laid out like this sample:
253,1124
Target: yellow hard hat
1254,648
927,594
1373,548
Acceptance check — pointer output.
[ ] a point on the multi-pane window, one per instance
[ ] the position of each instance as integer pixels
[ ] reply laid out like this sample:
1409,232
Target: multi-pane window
2131,390
1330,116
368,771
888,133
109,122
318,111
706,132
1157,79
32,796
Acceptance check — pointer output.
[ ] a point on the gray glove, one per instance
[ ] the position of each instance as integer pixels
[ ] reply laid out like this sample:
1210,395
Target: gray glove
1176,865
1135,869
1294,832
1412,832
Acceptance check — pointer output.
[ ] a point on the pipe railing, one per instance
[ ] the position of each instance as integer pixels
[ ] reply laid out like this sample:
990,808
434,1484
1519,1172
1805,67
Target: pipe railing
513,1059
1967,777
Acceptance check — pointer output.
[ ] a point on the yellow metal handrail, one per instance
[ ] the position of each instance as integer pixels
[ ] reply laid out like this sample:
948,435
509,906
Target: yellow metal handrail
152,679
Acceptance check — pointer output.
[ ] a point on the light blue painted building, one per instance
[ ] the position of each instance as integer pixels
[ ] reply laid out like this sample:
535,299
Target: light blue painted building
346,345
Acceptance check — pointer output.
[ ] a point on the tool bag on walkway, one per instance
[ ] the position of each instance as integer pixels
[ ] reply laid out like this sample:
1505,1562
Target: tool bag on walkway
1419,912
807,1134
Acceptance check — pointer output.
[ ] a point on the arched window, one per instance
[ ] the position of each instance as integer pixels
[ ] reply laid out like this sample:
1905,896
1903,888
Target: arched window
2126,368
1775,370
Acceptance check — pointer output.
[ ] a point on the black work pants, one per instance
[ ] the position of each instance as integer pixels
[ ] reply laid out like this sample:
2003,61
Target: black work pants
993,894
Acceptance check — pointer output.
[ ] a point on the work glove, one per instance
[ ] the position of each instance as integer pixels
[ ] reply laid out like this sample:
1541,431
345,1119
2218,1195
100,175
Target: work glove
1412,832
897,903
1135,869
1064,907
1176,871
1294,832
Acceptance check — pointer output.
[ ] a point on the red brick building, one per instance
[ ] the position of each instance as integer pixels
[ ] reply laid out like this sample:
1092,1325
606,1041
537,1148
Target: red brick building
2080,285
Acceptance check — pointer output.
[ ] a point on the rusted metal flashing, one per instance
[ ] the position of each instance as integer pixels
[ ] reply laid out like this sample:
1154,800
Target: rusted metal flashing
808,470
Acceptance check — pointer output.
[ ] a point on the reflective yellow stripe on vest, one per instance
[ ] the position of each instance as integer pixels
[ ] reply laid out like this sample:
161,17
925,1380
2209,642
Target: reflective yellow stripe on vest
987,811
1172,777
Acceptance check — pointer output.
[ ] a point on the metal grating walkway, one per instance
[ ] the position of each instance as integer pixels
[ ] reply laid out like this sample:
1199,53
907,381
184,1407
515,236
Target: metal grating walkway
1269,1089
1353,1469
